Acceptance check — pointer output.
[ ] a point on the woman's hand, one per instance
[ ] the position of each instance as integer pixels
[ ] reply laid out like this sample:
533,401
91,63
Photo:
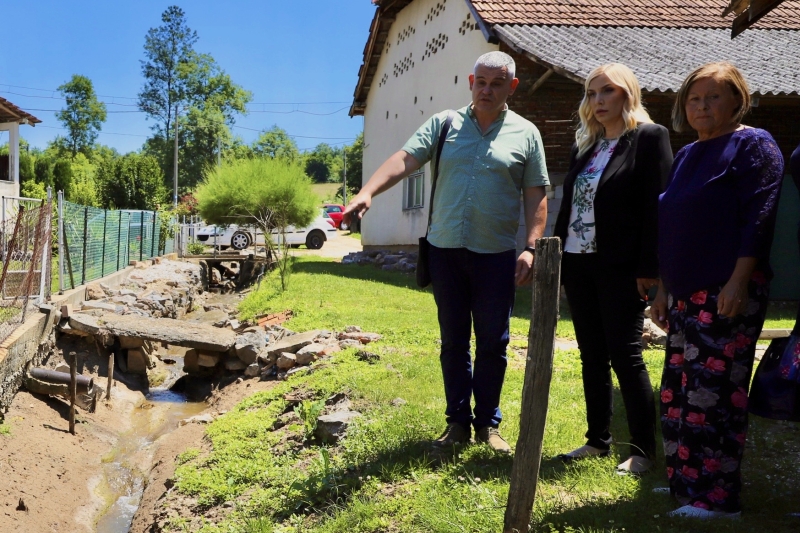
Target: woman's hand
659,308
732,299
644,285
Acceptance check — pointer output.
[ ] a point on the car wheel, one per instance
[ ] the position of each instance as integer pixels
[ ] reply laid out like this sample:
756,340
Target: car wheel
344,226
240,240
315,240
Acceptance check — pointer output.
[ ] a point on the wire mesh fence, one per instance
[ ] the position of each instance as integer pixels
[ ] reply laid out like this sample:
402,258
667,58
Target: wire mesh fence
97,242
25,248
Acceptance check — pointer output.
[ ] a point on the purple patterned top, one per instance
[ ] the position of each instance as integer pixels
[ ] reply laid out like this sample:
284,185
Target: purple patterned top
720,204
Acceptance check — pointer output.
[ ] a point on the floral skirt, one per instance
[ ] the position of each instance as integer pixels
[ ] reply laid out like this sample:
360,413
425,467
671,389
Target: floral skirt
709,360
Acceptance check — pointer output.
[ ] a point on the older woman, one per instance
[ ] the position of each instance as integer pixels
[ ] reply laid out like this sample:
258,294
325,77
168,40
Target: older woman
608,225
716,222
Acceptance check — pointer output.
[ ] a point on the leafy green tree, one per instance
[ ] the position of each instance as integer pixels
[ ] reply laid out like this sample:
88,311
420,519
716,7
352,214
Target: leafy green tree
62,176
83,115
84,189
319,162
267,192
355,163
33,189
133,181
26,167
166,48
43,170
214,101
275,143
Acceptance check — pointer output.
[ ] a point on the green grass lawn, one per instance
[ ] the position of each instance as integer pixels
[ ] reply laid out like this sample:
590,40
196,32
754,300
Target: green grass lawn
385,477
326,191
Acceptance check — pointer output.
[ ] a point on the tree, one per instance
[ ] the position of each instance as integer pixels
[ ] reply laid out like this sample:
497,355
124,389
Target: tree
213,100
83,115
267,192
43,170
62,176
275,143
320,162
355,163
166,48
133,181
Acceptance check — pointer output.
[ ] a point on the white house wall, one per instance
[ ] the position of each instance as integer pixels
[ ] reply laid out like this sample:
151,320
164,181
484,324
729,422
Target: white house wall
430,44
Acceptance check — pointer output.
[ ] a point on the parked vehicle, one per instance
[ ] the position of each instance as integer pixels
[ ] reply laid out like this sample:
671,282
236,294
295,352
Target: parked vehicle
241,237
336,211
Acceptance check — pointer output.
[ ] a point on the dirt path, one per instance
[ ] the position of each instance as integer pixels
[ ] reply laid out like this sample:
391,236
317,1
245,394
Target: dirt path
54,473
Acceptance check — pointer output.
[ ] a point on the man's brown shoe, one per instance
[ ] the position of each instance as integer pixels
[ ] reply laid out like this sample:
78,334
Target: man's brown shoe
454,433
491,436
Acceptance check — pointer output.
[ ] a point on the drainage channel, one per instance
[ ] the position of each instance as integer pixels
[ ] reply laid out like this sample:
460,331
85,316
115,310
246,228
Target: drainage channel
125,469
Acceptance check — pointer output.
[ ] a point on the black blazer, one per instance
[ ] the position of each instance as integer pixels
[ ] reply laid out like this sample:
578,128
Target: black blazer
626,202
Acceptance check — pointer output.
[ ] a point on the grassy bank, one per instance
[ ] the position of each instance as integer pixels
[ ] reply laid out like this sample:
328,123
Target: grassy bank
262,476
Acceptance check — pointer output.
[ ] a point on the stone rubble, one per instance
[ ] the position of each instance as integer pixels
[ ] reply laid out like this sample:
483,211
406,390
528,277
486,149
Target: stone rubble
384,259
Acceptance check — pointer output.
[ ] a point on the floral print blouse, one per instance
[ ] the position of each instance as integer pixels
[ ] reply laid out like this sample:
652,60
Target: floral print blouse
581,231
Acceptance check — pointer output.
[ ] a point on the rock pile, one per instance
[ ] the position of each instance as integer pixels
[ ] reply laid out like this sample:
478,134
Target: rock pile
383,259
167,289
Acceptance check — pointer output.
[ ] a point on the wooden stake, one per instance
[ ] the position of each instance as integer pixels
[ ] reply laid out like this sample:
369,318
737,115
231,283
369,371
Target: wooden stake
110,374
73,389
536,388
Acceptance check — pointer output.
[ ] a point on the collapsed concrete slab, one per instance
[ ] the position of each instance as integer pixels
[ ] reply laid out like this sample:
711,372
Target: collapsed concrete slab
167,330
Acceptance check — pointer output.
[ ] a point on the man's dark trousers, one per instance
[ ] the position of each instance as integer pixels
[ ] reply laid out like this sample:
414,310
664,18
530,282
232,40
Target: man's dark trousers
471,287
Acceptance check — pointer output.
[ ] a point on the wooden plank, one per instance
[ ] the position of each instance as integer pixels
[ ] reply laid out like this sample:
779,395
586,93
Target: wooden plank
536,387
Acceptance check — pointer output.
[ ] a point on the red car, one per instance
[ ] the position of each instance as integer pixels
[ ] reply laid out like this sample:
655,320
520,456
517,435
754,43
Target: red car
336,211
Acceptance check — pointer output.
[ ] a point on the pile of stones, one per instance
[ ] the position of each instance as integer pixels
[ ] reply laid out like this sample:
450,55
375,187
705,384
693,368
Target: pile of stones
383,259
278,352
166,290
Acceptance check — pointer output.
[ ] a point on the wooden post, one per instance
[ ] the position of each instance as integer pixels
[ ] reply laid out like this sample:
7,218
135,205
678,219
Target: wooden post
536,388
110,374
73,389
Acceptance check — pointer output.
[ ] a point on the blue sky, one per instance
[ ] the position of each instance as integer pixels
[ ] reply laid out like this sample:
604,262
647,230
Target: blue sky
283,51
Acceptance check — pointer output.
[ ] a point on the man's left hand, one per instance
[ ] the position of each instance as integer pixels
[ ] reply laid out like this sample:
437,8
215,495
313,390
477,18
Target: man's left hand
524,270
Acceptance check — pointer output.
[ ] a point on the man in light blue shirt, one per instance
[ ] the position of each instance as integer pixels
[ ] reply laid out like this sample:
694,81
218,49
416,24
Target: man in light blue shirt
491,157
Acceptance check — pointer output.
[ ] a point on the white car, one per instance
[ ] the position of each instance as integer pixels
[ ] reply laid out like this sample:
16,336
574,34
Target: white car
241,237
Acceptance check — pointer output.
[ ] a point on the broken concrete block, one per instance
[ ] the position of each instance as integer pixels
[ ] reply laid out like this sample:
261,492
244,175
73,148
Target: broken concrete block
208,359
329,349
252,370
286,360
66,310
363,337
95,292
249,345
130,342
305,358
190,359
332,427
137,361
103,306
293,343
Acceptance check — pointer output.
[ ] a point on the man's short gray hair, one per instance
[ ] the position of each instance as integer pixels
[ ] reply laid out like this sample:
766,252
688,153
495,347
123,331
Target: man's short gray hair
497,60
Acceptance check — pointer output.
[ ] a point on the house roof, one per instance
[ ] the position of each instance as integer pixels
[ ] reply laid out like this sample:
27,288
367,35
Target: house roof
651,36
11,113
639,13
661,57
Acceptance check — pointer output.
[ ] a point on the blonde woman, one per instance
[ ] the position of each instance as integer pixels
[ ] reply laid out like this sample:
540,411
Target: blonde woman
608,225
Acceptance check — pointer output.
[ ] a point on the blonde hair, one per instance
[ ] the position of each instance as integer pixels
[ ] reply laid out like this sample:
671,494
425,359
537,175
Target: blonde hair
633,113
721,71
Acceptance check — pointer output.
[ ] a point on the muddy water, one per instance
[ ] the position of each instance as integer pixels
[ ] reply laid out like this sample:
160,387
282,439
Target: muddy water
126,467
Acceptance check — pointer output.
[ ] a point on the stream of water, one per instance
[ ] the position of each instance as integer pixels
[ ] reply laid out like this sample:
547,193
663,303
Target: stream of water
125,469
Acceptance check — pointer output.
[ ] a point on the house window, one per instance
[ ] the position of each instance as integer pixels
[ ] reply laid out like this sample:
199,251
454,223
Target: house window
414,190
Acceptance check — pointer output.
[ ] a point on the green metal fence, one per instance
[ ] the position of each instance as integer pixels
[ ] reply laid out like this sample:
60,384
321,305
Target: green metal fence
97,242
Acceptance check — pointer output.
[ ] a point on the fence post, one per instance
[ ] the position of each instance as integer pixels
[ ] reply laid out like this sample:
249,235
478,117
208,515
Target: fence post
536,387
141,235
103,260
153,236
61,242
85,235
119,238
46,266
